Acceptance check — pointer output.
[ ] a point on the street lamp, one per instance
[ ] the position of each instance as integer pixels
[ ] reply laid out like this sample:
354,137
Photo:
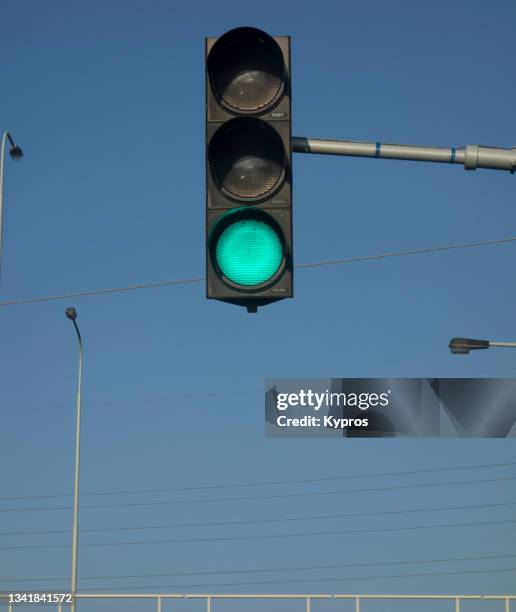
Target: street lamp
16,154
462,346
71,313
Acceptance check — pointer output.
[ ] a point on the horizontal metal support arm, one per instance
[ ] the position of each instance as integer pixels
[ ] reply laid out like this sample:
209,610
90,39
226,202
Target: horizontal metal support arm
471,156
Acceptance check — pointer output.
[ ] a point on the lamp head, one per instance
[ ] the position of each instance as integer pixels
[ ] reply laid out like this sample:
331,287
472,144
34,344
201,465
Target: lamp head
462,346
71,313
16,152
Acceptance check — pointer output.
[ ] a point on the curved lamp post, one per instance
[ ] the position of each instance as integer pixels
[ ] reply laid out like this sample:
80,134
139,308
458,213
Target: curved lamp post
71,313
16,153
462,346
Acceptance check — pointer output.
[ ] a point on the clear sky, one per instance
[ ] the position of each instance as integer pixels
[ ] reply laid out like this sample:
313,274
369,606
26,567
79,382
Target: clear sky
107,101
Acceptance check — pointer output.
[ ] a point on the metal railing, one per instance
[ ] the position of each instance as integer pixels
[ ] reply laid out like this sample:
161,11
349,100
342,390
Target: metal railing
307,599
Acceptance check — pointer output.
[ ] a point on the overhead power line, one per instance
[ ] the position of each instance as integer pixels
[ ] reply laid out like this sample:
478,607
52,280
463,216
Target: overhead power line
262,536
175,587
146,400
273,482
319,264
421,251
187,396
336,579
264,521
257,497
275,496
273,569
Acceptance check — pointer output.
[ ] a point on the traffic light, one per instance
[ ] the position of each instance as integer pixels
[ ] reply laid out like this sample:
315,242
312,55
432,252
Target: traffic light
248,168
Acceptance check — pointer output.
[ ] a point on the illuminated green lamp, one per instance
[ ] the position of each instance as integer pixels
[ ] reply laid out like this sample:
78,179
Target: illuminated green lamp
249,252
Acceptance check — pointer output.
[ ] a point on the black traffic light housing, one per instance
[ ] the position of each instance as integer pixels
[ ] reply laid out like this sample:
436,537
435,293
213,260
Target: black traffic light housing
248,168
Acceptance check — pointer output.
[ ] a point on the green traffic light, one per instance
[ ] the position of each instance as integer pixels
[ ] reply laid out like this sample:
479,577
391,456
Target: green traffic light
249,252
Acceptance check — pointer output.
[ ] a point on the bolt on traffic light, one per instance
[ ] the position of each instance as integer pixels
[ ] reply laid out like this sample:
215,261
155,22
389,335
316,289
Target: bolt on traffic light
248,168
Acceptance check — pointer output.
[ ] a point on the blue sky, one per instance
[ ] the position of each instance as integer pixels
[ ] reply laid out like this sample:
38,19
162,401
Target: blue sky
106,99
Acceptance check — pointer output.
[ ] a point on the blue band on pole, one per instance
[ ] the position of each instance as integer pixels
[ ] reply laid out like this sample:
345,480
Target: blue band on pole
452,155
377,151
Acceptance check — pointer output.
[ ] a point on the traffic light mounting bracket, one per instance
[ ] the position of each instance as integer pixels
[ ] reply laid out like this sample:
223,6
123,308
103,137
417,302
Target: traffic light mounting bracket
471,156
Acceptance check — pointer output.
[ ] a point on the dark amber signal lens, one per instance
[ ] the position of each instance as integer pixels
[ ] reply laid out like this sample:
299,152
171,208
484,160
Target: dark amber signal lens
247,159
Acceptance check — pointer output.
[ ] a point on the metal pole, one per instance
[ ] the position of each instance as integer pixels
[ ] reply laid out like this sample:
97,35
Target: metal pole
72,314
16,153
503,344
2,159
471,156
